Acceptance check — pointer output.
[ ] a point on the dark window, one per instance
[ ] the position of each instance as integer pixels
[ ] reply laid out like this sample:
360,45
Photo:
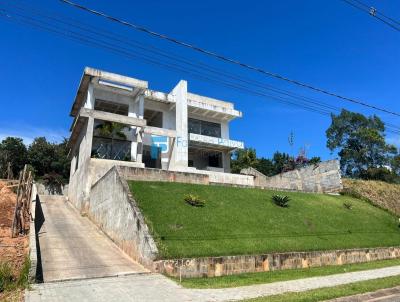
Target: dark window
215,160
111,107
153,118
204,127
152,156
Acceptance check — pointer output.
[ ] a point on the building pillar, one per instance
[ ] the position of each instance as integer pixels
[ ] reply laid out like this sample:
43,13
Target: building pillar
90,97
226,161
136,109
179,158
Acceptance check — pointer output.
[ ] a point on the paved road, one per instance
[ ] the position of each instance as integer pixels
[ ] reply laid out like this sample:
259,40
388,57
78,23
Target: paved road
155,287
72,247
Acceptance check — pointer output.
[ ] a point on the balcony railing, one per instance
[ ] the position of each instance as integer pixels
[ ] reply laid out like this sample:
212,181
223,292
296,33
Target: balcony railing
107,148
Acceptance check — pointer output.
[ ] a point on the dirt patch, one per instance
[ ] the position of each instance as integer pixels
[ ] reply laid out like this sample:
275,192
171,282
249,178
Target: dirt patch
380,193
12,250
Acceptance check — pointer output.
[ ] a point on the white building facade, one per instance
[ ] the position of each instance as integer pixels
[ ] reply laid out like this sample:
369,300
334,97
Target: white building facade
118,118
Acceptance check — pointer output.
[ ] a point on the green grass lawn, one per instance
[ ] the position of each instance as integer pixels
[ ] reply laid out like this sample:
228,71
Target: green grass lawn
282,275
245,221
326,293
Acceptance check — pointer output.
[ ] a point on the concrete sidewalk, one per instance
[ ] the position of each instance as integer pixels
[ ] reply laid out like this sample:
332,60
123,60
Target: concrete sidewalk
71,247
155,287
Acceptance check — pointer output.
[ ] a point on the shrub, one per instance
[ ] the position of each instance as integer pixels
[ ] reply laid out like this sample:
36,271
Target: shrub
382,174
194,200
348,205
281,200
6,276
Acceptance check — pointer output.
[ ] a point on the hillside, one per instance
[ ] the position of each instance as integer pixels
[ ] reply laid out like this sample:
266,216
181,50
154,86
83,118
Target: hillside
380,193
245,221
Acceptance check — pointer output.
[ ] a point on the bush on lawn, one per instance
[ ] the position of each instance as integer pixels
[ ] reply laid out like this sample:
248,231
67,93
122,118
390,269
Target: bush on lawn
194,200
281,200
348,205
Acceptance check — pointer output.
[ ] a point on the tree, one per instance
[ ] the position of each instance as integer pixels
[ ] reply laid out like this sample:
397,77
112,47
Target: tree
61,163
360,141
395,164
244,159
283,162
12,150
265,166
41,155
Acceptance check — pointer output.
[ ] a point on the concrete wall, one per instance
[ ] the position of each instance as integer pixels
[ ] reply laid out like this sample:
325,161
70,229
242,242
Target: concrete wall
162,175
79,181
320,178
232,265
115,211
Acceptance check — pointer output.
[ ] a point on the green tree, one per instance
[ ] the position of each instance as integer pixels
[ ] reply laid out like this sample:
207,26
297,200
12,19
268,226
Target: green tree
244,159
61,163
13,150
265,166
41,155
360,142
282,162
395,164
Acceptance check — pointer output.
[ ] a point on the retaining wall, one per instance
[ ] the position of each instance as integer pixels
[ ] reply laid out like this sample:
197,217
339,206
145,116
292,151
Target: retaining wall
146,174
232,265
323,177
114,210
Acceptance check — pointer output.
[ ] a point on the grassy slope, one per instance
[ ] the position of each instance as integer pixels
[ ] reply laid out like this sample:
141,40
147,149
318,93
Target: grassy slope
245,221
282,275
380,193
324,294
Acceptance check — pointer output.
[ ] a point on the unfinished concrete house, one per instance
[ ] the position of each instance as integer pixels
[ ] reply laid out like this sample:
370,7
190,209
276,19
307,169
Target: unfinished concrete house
124,131
119,121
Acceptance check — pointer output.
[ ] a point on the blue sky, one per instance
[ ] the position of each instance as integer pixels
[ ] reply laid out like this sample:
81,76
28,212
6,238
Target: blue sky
326,43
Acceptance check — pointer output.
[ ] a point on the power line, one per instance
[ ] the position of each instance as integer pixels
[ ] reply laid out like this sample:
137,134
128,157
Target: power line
374,13
135,55
224,58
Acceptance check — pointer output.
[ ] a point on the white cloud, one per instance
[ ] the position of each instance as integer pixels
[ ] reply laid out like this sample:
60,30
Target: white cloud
28,133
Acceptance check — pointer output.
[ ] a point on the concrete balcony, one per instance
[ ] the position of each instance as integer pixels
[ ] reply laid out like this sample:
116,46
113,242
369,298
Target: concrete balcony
214,142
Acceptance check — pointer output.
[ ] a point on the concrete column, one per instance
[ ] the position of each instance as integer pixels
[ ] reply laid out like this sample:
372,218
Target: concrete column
226,161
136,109
84,158
90,97
179,158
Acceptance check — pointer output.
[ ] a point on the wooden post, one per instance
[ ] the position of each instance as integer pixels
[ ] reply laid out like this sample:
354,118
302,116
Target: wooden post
14,223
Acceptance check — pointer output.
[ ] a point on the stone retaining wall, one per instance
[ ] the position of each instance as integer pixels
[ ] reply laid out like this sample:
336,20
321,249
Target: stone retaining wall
323,177
232,265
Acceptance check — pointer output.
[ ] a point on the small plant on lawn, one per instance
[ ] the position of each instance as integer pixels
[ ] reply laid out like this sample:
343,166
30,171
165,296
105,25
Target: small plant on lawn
281,200
194,200
348,205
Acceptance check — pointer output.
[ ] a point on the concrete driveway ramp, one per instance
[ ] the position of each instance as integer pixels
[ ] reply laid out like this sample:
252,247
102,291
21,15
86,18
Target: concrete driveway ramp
71,247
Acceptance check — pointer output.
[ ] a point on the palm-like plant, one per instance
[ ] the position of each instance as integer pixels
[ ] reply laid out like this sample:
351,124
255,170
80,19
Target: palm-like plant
111,130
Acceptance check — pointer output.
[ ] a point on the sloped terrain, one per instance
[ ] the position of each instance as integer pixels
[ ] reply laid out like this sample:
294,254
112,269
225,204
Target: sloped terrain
238,221
382,194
